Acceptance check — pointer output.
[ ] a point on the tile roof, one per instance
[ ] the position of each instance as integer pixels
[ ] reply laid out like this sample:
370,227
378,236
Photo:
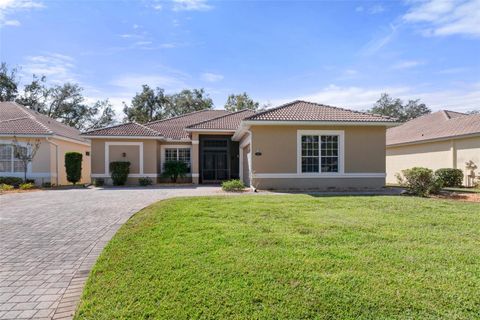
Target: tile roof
437,125
229,121
174,128
309,111
171,128
125,129
16,119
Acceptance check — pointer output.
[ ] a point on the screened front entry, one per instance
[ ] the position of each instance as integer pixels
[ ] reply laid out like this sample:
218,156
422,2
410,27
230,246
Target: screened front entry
219,159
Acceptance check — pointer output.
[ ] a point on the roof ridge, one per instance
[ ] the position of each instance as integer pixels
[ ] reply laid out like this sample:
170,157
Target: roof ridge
14,119
180,116
109,127
149,129
219,117
349,110
22,108
273,109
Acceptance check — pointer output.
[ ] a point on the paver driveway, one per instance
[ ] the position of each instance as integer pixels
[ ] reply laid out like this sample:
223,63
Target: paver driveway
51,239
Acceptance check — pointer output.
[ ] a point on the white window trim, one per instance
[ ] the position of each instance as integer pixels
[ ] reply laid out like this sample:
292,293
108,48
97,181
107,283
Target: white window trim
13,173
341,151
173,146
107,154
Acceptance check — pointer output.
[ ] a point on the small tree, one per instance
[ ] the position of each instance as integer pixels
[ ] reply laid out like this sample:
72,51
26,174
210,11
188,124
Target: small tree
73,166
25,153
174,169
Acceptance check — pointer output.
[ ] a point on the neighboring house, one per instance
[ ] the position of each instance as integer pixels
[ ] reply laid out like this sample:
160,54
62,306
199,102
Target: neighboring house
443,139
55,140
299,145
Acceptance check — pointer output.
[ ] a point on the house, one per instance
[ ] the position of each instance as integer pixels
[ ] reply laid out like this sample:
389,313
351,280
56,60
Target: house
55,140
443,139
299,145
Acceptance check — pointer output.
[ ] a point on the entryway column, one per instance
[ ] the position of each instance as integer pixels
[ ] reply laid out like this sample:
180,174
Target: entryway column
195,159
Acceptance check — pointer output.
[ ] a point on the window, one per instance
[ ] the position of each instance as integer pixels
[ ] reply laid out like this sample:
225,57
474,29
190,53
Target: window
8,162
320,152
178,154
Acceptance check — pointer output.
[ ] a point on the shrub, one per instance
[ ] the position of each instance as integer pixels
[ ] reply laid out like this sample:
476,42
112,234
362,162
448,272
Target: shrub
175,169
26,186
99,182
13,181
73,166
119,172
32,181
6,187
450,177
420,181
233,185
46,185
145,181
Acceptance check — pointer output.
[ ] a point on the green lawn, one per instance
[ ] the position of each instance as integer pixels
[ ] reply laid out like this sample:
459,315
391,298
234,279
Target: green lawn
291,257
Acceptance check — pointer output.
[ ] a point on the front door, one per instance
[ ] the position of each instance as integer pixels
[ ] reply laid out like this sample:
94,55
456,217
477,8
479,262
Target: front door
215,166
218,158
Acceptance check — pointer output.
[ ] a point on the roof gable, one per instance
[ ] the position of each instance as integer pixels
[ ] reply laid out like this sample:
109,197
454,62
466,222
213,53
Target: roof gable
16,119
308,111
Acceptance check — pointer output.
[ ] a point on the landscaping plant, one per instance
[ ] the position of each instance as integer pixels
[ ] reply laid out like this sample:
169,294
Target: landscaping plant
6,187
73,166
119,171
26,186
13,181
175,169
451,178
420,181
233,185
99,182
145,181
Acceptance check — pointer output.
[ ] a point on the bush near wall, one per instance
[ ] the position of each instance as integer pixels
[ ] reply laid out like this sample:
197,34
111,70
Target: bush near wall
450,177
234,185
73,166
420,181
119,172
13,181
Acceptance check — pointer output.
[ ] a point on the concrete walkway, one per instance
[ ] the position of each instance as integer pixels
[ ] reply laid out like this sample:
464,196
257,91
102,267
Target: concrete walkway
49,241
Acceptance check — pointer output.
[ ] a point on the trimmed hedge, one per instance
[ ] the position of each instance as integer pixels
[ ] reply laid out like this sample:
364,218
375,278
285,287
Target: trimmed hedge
450,177
420,181
73,166
13,181
233,185
119,172
145,181
175,169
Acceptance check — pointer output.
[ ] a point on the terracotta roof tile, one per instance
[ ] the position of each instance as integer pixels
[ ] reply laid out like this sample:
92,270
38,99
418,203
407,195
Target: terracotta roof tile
226,122
126,129
309,111
16,119
437,125
174,128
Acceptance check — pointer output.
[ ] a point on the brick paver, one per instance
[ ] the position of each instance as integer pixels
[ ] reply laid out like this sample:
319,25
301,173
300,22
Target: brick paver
51,239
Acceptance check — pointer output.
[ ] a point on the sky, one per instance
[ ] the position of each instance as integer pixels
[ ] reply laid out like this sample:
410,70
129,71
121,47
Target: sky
342,53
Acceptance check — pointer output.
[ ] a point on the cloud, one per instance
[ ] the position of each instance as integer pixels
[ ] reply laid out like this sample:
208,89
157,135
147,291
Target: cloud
132,83
191,5
378,43
374,9
446,17
10,7
58,68
407,64
211,77
460,99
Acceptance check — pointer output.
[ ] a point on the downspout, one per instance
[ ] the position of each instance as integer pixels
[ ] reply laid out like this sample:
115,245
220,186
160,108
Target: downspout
56,159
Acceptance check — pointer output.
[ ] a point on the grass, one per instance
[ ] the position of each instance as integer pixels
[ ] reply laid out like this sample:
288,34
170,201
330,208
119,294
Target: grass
291,257
463,190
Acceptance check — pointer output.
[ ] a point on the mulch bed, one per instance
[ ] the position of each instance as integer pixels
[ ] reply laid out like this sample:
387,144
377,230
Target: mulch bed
469,197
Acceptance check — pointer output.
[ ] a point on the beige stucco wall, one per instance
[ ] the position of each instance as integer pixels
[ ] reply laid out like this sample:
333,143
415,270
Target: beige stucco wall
64,147
246,172
364,148
433,155
150,162
50,163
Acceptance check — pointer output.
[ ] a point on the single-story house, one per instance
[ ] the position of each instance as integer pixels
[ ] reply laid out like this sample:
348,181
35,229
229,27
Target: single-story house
443,139
24,124
299,145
